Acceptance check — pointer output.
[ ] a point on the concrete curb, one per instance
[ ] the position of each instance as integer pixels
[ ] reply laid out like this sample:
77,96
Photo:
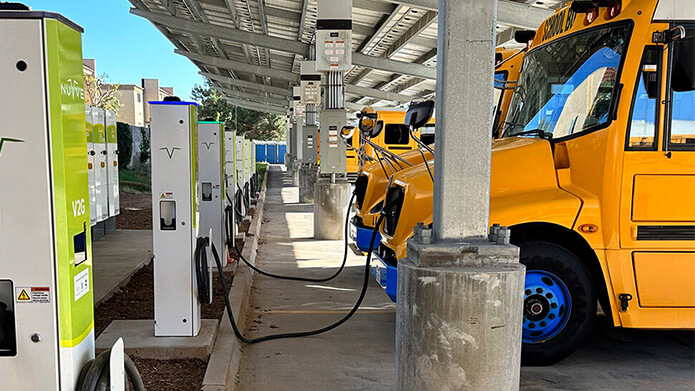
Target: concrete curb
225,359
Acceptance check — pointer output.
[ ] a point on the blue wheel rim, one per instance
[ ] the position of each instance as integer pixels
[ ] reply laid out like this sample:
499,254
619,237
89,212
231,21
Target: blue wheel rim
547,306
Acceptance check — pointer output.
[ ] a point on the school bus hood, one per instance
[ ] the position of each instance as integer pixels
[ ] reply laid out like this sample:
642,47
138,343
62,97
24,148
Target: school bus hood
524,187
376,185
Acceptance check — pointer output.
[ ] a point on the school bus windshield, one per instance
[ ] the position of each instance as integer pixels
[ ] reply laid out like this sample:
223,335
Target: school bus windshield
567,86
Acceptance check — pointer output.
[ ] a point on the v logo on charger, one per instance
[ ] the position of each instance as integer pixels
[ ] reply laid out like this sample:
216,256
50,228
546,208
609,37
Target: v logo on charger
169,152
3,140
208,144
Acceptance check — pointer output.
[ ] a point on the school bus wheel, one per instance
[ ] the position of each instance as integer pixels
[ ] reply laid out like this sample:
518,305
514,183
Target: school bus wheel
559,303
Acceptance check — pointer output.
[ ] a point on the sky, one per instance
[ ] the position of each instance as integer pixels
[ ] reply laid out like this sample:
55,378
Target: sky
126,47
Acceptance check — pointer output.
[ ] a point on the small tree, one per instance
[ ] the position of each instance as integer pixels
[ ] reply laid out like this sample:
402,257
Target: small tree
98,93
125,144
254,124
144,145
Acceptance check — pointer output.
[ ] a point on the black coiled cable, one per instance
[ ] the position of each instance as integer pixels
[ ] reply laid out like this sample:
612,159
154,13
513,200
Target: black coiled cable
240,336
307,279
201,270
95,375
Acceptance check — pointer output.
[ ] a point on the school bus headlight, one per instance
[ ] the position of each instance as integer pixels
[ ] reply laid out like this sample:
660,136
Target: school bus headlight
591,15
613,9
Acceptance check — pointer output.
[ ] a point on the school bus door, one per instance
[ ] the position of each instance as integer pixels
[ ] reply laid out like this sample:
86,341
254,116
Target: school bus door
656,277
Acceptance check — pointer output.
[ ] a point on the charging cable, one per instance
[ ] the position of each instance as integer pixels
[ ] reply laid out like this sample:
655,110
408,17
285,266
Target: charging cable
344,319
307,279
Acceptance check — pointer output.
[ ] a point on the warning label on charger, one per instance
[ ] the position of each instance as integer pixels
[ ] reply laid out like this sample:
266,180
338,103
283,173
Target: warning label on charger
33,294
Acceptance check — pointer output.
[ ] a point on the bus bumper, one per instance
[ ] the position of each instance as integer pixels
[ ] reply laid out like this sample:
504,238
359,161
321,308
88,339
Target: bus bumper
385,274
361,235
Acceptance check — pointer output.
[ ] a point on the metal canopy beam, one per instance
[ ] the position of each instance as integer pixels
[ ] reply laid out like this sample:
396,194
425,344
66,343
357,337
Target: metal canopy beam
258,106
401,67
508,12
289,15
253,97
280,44
349,88
230,34
247,84
369,5
374,93
241,66
353,106
415,30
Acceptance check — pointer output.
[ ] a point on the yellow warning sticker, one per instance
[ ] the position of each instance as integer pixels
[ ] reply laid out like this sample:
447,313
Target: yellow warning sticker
23,295
33,294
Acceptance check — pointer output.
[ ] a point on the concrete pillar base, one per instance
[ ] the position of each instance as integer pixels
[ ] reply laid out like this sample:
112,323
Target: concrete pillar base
307,181
330,206
295,172
459,316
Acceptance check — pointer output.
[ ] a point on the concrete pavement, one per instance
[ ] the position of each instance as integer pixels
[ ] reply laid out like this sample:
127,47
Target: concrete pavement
116,257
356,356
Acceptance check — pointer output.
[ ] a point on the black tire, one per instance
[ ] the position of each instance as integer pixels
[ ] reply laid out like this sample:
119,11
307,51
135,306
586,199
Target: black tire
549,257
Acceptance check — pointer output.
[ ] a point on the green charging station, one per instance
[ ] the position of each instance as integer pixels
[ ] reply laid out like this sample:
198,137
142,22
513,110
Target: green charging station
46,302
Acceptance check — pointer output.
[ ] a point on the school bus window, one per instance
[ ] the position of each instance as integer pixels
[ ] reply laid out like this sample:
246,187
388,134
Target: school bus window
682,123
377,129
499,84
642,126
568,85
396,134
427,134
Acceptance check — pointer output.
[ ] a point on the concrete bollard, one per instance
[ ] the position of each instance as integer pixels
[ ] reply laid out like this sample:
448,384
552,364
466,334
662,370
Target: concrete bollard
459,316
330,207
307,182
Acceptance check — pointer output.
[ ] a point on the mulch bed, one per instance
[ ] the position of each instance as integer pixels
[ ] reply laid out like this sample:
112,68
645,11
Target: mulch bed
136,211
136,301
171,375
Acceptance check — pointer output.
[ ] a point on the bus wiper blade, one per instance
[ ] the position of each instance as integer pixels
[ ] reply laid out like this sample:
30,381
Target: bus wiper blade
540,132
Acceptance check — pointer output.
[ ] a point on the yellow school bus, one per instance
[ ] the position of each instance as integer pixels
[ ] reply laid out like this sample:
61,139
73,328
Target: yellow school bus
352,157
594,173
370,186
392,134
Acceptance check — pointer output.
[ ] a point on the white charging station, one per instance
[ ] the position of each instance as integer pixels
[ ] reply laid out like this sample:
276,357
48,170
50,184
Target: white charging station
46,303
248,156
230,172
212,184
240,172
101,176
112,164
175,213
91,165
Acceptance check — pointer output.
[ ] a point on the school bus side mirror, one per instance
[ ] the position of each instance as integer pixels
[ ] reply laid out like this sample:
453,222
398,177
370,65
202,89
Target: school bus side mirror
419,114
670,35
346,132
367,122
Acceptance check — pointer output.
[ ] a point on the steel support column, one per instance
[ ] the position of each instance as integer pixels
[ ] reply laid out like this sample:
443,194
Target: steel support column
459,309
465,68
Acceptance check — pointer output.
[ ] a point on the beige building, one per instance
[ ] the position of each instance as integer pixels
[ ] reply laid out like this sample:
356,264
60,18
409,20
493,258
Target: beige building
153,92
134,109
